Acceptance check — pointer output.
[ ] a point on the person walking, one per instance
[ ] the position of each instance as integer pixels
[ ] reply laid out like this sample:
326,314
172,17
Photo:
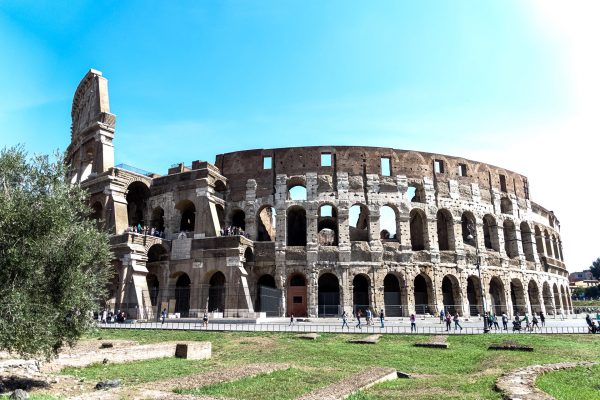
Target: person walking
448,320
457,321
534,323
442,316
381,317
504,321
205,319
496,326
542,318
413,323
369,317
527,325
291,320
163,316
358,315
345,320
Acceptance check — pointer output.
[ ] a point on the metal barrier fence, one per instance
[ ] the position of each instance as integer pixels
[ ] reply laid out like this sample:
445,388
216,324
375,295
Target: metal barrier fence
336,328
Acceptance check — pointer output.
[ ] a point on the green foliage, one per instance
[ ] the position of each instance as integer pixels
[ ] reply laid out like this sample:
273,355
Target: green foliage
53,261
595,268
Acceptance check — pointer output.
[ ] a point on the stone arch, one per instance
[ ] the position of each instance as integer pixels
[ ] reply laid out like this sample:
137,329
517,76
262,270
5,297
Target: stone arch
415,192
238,219
249,254
557,303
548,244
266,227
517,296
137,197
182,294
157,252
296,189
555,248
358,218
445,230
361,292
539,244
490,233
424,296
497,297
220,188
451,295
474,295
565,302
394,295
327,225
328,295
467,221
510,239
216,292
296,226
506,206
527,241
268,297
297,295
158,219
187,211
389,222
418,229
548,299
534,296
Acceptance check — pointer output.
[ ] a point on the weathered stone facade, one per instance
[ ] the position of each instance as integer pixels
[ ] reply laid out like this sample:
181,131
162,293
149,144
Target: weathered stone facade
314,219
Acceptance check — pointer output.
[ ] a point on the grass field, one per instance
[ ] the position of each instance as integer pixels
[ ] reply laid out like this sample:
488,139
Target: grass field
467,370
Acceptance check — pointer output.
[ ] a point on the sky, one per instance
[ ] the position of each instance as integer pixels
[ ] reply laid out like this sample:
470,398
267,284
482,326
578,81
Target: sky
510,83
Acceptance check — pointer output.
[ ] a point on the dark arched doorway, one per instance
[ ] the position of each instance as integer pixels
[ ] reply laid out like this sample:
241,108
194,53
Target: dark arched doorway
329,295
474,295
216,292
268,297
451,294
296,296
360,293
423,295
182,296
392,296
498,305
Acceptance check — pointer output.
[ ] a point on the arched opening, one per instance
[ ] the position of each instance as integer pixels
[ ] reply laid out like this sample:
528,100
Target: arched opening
182,295
359,223
418,230
496,291
388,223
474,295
157,252
548,300
534,297
297,193
548,244
445,230
565,302
506,206
296,226
249,254
510,239
517,296
268,297
527,241
467,221
327,225
555,247
153,288
393,296
158,219
220,188
187,210
423,290
557,305
216,292
490,233
238,219
266,224
296,295
451,294
360,293
329,295
539,245
415,193
137,196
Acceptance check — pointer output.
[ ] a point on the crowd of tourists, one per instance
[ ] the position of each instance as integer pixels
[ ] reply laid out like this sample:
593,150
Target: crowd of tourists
145,230
234,231
108,317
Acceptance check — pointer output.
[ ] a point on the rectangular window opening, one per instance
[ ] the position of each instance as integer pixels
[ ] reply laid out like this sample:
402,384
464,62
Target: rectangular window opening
503,183
297,299
267,162
438,166
386,166
462,169
325,159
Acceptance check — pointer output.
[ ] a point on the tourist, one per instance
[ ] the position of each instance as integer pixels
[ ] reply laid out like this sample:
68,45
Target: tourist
381,317
291,320
369,317
504,321
104,316
345,320
448,322
496,326
527,325
442,316
542,318
457,321
413,323
205,320
163,316
358,315
534,323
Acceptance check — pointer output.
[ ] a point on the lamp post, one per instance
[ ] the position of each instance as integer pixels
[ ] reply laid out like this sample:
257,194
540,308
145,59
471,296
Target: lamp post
472,230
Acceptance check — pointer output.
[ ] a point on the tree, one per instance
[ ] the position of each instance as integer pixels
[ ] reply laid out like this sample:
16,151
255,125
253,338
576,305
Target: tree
595,268
54,263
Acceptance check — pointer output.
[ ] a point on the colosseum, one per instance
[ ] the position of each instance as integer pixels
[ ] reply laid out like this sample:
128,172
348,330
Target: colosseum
315,230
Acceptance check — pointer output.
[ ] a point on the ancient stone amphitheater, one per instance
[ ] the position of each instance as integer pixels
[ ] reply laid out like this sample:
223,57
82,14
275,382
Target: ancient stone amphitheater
315,230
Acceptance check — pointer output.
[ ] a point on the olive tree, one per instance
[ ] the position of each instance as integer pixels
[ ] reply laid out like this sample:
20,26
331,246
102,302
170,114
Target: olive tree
54,263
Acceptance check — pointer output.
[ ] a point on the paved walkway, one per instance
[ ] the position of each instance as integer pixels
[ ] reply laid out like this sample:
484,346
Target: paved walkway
425,325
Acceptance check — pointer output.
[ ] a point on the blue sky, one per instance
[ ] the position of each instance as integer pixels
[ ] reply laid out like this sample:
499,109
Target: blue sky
496,81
